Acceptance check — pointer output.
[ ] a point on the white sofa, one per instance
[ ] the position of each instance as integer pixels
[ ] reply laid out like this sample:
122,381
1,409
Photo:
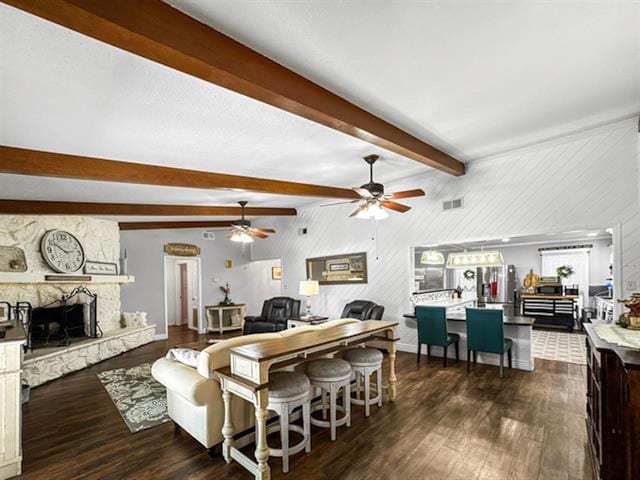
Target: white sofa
194,398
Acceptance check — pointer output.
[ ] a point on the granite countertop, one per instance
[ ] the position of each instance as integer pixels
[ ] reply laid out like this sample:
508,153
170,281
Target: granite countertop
14,333
508,319
630,357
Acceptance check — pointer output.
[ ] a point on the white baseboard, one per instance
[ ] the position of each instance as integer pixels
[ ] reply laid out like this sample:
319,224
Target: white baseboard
160,336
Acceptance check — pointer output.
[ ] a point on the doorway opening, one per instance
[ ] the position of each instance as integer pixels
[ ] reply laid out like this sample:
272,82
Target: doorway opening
183,293
264,281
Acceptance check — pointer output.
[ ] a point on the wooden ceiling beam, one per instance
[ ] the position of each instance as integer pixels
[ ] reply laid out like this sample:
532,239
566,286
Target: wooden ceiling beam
172,225
48,164
156,31
38,207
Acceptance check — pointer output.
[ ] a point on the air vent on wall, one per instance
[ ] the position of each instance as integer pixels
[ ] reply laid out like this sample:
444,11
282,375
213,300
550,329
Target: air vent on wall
209,235
453,204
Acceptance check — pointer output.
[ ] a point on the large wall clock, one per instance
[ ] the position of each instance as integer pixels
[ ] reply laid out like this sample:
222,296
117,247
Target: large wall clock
62,251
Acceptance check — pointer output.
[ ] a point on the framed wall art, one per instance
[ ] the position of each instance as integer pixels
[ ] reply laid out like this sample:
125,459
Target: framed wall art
338,269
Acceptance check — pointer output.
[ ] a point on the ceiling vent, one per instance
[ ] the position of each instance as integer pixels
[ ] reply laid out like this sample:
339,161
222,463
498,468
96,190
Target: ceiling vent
453,204
208,235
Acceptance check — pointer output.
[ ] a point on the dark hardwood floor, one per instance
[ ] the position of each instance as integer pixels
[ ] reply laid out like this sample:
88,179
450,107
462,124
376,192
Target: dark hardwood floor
445,424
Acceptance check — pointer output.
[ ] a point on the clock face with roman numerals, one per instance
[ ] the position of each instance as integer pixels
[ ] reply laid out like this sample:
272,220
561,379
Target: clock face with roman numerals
62,251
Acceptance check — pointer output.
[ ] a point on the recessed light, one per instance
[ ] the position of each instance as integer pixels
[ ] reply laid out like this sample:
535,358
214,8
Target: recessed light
592,234
506,239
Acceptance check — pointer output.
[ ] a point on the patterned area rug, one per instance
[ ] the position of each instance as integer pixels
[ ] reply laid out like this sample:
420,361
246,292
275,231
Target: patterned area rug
140,399
560,346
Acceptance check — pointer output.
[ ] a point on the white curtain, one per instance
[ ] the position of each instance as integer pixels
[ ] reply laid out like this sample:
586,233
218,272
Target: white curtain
550,260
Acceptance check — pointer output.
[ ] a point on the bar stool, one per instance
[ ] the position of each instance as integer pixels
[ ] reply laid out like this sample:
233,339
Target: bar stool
329,375
365,361
288,390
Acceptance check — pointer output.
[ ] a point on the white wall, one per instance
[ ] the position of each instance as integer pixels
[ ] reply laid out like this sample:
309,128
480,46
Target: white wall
586,180
146,261
261,285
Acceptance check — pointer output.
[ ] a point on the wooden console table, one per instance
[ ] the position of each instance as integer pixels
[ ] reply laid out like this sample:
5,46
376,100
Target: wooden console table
222,318
248,376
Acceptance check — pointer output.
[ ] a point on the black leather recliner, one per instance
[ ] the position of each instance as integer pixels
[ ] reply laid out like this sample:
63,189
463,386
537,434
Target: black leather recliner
275,313
363,310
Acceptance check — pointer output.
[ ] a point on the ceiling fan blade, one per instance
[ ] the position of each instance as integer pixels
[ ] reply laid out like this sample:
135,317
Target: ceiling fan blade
339,203
363,192
265,230
418,192
358,210
398,207
253,233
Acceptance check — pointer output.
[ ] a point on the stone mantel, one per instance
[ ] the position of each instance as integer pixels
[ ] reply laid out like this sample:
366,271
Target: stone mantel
38,278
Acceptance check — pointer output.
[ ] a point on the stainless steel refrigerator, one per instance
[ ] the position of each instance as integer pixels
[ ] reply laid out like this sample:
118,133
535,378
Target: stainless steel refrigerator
497,284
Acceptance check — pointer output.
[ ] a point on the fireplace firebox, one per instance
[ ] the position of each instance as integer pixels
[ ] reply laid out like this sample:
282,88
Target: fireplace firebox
73,316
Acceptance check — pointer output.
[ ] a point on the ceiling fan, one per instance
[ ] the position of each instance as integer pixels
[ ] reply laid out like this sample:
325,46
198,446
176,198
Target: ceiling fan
241,230
373,200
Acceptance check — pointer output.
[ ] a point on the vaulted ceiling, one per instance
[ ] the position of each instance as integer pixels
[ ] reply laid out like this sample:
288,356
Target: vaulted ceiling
470,79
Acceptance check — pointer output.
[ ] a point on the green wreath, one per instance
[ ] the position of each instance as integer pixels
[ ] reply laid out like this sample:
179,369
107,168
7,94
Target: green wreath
565,271
469,274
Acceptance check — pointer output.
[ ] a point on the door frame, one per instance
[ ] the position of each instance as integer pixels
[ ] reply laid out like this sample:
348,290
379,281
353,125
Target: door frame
170,260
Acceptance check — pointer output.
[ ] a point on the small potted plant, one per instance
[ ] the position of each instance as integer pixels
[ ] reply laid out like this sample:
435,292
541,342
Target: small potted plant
227,291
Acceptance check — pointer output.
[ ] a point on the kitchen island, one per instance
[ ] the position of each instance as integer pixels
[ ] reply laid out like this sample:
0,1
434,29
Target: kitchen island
516,328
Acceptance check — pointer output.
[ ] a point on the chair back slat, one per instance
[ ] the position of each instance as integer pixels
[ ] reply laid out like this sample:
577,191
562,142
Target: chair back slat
432,325
485,330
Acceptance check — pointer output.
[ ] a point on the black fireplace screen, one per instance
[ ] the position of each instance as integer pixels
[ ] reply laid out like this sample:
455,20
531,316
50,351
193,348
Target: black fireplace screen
63,320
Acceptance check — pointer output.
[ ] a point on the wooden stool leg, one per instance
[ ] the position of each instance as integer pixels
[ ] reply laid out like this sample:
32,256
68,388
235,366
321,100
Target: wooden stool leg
324,403
346,402
418,357
445,350
509,355
332,411
379,383
468,359
306,424
284,436
428,351
367,395
501,365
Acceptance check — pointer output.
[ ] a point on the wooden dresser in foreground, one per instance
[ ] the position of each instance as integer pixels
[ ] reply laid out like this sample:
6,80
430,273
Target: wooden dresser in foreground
613,408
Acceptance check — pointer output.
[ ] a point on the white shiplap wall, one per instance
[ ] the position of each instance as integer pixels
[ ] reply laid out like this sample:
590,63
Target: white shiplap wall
586,180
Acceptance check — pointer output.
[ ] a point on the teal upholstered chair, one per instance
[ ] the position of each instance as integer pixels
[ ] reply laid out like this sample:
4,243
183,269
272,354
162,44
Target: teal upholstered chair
485,333
432,330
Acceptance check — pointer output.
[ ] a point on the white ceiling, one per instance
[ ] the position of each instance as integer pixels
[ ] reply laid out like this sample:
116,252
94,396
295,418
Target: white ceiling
473,79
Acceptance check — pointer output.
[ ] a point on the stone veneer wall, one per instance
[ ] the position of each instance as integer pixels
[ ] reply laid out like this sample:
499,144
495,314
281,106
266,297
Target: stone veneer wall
101,242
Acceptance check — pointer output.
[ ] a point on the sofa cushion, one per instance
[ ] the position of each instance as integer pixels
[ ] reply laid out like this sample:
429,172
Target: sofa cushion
288,384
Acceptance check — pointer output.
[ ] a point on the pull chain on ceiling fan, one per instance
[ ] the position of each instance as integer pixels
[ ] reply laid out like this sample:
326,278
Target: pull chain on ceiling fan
374,203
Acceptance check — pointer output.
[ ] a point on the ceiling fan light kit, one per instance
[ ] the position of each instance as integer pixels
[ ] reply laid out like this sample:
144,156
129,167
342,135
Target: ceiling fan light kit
374,203
240,237
243,232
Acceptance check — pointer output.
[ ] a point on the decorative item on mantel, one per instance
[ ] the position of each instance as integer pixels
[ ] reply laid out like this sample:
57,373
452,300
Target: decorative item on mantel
631,319
226,290
182,249
123,263
100,268
12,259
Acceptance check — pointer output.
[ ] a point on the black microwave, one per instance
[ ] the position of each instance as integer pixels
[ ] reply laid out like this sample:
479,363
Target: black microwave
549,290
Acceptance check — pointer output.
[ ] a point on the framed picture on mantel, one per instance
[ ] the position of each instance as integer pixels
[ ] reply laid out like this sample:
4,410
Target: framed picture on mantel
338,269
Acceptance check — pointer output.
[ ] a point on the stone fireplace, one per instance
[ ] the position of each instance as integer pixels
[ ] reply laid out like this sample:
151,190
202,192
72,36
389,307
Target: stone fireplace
77,322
